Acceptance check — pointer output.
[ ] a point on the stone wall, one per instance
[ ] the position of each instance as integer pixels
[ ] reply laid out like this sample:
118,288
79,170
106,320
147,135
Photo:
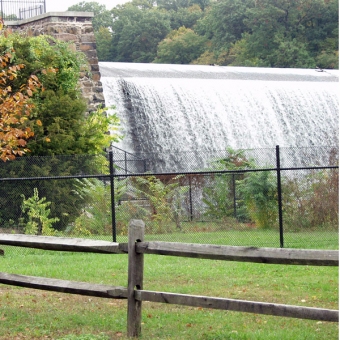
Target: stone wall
76,28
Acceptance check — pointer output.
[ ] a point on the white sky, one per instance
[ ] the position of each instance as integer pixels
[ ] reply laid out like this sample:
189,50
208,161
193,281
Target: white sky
63,5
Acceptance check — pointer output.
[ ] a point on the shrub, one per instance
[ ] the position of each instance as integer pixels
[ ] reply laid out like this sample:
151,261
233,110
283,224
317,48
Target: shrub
38,220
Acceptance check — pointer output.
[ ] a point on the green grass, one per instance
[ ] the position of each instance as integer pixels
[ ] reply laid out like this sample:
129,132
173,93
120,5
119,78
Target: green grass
224,234
33,314
255,238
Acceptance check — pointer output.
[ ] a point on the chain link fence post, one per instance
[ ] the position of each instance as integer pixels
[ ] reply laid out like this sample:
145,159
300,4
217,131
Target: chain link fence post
279,194
113,205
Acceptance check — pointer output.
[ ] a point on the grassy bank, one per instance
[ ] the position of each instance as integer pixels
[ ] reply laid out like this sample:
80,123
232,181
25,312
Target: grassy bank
309,239
32,314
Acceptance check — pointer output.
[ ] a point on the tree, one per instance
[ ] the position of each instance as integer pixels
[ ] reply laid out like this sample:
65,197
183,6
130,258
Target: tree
224,22
278,31
328,59
180,47
293,53
103,42
240,54
102,23
102,16
272,33
60,108
187,17
323,36
15,109
65,129
137,32
173,4
202,3
206,58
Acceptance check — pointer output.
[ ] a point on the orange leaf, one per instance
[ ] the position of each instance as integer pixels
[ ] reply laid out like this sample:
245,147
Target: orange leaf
21,142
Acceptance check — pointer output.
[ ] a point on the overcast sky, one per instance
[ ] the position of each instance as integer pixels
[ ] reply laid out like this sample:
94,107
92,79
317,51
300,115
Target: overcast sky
63,5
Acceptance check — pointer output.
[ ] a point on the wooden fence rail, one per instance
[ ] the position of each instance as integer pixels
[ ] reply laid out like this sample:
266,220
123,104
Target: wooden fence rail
135,294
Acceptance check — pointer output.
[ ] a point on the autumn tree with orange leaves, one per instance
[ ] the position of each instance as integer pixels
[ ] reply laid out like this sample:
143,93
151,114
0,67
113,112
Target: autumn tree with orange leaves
15,110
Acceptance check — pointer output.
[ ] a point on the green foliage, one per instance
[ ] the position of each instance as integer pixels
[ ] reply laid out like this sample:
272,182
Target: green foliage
60,106
103,36
224,24
164,197
186,17
64,204
71,132
328,60
292,53
249,196
101,22
174,5
236,159
312,202
222,195
206,58
241,54
102,17
96,218
66,128
278,31
259,192
180,47
38,221
95,127
61,115
265,33
220,199
137,32
53,61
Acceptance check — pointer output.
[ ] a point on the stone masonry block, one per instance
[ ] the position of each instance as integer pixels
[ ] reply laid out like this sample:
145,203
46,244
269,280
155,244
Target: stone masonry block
87,47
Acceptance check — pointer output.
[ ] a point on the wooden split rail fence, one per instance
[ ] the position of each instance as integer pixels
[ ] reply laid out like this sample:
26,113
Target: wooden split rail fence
135,294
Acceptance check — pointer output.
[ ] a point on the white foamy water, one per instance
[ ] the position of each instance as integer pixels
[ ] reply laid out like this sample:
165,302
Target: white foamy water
168,109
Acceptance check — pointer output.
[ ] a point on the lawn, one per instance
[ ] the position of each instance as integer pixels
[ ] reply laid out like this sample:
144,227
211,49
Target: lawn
309,239
33,314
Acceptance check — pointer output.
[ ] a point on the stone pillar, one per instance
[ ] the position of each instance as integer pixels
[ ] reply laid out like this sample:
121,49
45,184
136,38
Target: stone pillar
76,28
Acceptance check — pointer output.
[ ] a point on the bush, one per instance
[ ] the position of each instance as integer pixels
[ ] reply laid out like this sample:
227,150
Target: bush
312,201
38,221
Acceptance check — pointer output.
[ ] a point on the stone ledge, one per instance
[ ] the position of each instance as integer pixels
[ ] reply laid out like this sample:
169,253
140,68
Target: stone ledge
50,15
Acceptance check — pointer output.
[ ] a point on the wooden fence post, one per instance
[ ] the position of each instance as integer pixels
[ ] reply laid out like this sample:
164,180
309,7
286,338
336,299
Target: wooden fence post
135,278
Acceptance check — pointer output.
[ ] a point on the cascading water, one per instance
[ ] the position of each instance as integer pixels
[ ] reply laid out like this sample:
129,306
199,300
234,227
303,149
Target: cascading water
172,109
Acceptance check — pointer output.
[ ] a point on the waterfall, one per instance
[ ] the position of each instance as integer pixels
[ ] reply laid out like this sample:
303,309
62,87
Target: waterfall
172,110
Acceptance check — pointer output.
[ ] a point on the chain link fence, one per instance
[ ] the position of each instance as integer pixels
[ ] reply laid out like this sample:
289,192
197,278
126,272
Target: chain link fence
283,197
